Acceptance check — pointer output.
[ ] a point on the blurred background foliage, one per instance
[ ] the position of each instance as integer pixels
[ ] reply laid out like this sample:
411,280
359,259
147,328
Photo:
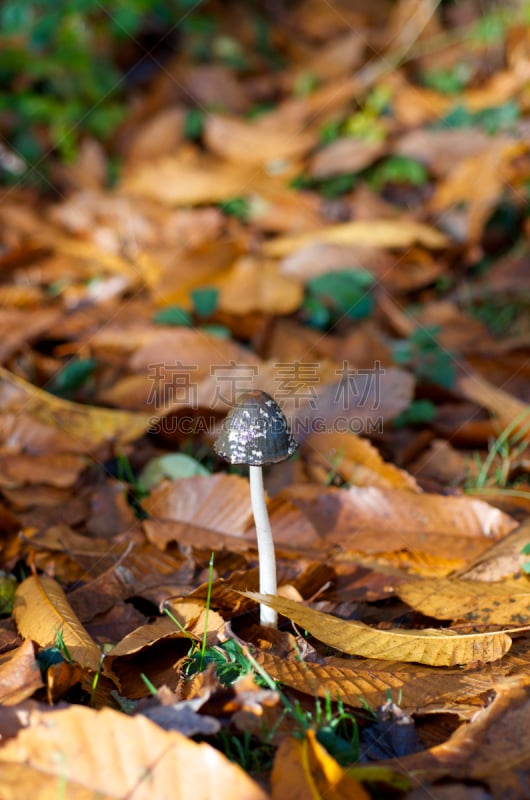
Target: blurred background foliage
65,66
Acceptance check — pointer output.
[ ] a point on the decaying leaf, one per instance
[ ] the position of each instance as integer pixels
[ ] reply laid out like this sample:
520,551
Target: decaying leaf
438,648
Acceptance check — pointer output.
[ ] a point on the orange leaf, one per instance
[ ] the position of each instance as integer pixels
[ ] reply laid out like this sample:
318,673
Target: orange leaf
304,769
106,752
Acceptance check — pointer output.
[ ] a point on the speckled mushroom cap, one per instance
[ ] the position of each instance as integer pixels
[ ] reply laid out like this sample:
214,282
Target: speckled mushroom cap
255,432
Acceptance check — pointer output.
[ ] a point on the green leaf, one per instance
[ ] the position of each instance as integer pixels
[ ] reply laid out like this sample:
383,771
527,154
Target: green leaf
237,207
173,315
419,412
193,124
315,312
205,300
8,585
398,169
221,331
72,376
345,292
172,466
340,184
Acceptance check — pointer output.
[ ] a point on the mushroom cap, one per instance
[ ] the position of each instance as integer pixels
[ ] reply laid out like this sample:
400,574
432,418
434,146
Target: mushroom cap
255,432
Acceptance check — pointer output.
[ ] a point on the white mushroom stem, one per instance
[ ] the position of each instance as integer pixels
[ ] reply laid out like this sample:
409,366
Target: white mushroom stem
267,559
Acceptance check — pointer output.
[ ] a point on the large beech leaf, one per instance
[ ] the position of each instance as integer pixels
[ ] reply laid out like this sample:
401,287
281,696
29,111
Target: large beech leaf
82,753
502,603
42,613
439,648
358,682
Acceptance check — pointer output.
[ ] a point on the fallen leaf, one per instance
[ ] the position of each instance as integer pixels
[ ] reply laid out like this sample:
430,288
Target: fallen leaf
345,155
303,768
508,409
492,748
478,182
183,181
20,675
356,460
373,520
255,143
379,233
60,469
86,426
367,682
253,285
92,752
42,613
477,602
437,648
217,502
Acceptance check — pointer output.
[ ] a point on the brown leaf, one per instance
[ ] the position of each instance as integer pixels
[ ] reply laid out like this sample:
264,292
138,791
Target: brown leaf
345,155
479,182
217,502
374,520
255,143
106,752
426,646
184,181
508,409
43,613
253,285
356,460
492,748
61,469
504,559
360,682
19,675
18,327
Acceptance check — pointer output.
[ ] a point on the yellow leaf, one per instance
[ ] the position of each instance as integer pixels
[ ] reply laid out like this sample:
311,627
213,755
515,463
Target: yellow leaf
377,233
42,613
87,426
501,603
439,648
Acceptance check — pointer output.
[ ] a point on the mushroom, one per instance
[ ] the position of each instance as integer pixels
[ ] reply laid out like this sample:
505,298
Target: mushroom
255,432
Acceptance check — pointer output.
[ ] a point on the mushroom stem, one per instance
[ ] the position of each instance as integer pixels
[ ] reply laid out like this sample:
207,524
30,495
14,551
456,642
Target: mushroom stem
267,558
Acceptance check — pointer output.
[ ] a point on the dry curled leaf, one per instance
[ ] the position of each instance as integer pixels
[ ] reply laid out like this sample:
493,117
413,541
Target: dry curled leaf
438,648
